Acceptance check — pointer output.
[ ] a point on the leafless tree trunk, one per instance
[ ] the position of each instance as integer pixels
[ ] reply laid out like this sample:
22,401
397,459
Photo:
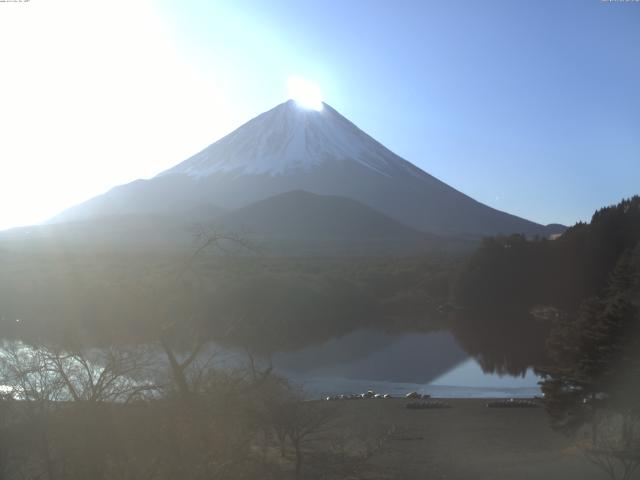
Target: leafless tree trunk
178,369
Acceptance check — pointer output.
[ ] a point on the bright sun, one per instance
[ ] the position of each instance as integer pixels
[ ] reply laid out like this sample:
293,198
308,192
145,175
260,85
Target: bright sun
305,93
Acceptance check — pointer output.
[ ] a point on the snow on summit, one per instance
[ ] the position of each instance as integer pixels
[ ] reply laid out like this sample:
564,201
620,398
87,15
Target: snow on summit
291,148
289,138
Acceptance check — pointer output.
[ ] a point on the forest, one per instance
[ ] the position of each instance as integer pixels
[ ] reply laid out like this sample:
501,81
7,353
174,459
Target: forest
580,296
512,287
267,303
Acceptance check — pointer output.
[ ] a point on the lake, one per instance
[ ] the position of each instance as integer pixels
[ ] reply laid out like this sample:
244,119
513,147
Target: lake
397,363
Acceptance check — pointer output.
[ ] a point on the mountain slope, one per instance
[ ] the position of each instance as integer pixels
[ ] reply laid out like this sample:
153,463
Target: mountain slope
308,222
291,223
128,232
290,148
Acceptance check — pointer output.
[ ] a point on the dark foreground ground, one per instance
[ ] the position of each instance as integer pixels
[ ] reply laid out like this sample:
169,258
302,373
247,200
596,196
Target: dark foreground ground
467,441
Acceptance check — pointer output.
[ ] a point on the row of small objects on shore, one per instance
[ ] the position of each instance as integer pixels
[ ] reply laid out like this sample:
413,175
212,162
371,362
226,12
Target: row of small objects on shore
372,394
512,403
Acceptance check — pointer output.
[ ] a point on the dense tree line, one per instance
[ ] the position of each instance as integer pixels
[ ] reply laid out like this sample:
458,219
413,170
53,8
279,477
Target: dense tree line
582,291
514,273
269,303
508,285
592,376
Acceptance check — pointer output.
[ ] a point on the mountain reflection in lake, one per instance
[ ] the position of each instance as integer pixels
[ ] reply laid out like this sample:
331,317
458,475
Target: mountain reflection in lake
431,363
395,363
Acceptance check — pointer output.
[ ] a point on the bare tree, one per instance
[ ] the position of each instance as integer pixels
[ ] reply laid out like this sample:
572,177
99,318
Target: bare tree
28,376
186,381
7,414
101,375
298,423
615,449
188,370
59,392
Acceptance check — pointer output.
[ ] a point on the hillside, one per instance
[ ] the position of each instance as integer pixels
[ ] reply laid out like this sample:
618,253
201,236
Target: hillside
314,223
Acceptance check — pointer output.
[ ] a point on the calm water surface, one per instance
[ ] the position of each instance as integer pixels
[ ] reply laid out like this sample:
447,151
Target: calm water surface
431,363
396,363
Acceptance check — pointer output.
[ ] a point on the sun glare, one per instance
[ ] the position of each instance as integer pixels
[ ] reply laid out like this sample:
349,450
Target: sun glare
305,93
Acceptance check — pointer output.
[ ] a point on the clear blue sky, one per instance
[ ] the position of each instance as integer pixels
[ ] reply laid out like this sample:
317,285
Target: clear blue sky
530,106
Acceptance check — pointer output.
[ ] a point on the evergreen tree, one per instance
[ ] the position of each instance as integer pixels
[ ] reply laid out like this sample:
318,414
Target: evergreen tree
596,367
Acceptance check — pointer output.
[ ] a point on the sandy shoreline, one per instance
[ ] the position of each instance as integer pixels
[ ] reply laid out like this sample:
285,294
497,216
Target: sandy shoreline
466,441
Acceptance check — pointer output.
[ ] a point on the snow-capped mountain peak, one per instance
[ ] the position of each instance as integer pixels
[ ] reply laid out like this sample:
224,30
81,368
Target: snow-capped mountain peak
290,138
291,148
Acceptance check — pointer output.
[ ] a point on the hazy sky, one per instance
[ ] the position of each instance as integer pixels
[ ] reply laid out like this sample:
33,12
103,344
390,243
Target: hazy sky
532,107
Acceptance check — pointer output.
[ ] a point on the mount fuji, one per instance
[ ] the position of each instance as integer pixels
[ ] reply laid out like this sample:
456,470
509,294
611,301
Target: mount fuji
290,148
